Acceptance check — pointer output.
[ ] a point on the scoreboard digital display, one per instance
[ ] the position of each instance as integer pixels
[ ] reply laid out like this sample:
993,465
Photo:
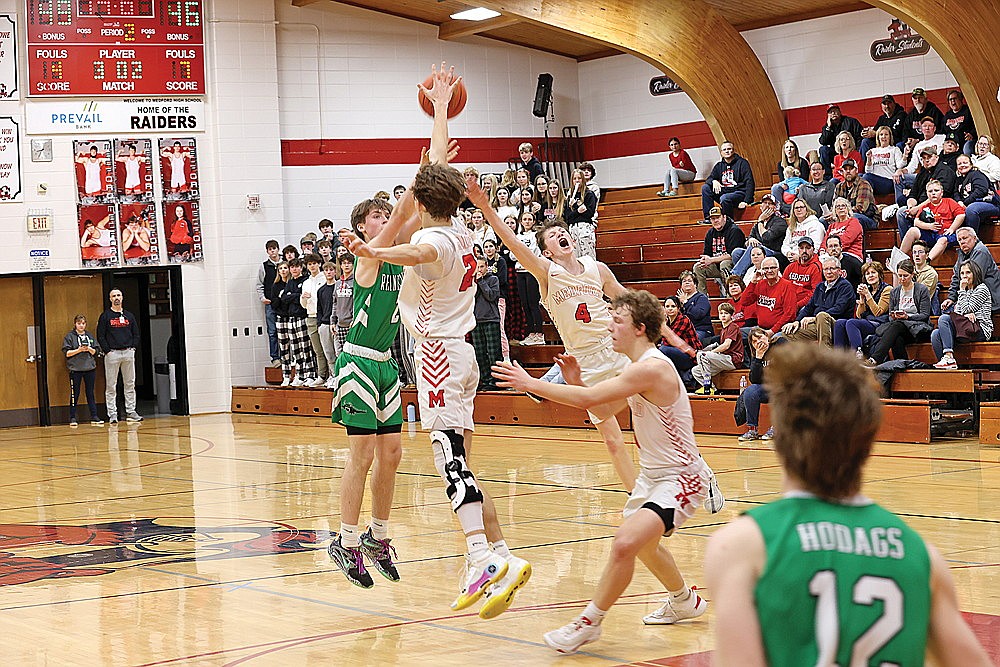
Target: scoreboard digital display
122,48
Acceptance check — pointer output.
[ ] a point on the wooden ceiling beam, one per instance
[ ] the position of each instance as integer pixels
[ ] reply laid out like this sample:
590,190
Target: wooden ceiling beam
304,3
454,29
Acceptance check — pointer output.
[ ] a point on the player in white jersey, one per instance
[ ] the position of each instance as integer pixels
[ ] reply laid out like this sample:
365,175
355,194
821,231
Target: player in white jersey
436,307
573,291
93,169
673,478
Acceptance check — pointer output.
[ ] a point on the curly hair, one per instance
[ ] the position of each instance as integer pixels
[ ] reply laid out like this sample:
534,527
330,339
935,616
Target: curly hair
439,189
644,309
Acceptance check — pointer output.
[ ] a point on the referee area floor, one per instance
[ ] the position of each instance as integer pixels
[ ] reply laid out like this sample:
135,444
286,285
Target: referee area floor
202,541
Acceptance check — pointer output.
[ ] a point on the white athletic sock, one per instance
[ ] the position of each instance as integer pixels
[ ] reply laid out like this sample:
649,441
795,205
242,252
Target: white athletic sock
681,595
479,546
470,517
593,613
380,528
349,536
500,548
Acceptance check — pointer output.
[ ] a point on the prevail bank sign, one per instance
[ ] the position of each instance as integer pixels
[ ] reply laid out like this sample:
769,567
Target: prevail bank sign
155,114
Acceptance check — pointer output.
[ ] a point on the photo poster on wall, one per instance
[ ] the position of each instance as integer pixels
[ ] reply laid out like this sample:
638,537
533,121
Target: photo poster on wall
134,170
98,232
182,230
138,232
179,169
94,173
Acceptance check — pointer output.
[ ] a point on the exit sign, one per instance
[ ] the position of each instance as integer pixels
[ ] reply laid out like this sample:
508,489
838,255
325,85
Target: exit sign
39,223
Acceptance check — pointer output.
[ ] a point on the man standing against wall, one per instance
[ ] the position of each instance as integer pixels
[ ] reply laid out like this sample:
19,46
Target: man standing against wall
118,336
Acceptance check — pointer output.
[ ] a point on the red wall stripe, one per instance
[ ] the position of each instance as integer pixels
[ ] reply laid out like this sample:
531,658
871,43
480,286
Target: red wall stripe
480,150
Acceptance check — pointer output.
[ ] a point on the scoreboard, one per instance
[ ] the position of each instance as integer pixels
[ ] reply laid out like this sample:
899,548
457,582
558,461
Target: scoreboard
115,47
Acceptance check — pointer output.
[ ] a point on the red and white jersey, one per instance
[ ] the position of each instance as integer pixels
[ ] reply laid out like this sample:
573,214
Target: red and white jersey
664,434
577,307
436,299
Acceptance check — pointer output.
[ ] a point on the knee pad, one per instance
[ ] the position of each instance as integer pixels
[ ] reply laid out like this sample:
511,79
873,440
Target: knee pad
449,459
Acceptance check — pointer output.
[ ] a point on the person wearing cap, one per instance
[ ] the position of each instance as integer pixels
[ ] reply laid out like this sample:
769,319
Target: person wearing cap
767,233
929,136
950,151
806,272
958,122
893,117
731,183
922,107
859,193
832,300
722,239
771,298
930,169
307,245
836,123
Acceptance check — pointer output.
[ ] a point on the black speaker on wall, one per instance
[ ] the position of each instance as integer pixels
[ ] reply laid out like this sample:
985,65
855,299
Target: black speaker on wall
543,95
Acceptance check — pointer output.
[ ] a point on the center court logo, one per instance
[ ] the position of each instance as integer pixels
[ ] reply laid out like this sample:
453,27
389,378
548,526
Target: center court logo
34,552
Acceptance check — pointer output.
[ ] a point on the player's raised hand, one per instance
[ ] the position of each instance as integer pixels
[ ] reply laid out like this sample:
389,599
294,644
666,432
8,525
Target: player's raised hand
443,82
474,192
453,150
570,368
357,246
510,374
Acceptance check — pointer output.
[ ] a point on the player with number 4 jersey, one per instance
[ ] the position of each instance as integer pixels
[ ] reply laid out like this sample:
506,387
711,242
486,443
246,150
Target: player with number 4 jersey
825,576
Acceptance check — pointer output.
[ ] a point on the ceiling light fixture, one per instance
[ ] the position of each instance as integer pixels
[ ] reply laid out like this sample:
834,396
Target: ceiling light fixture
477,14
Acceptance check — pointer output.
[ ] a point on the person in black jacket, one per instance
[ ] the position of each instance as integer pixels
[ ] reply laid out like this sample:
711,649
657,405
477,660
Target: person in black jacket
931,169
975,193
755,394
265,283
118,336
730,185
958,119
300,351
530,162
835,124
579,215
893,117
922,107
721,241
768,233
81,350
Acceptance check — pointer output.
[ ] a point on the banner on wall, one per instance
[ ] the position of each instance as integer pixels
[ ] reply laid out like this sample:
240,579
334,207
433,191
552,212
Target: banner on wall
179,169
134,170
182,230
902,43
663,85
10,160
115,116
137,227
98,235
8,57
94,173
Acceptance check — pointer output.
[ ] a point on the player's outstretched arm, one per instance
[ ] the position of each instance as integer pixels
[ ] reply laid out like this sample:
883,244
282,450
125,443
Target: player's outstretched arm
733,562
609,282
405,254
440,95
537,266
950,640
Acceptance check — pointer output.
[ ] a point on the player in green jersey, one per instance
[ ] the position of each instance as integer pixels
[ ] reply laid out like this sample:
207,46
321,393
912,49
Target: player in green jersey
825,576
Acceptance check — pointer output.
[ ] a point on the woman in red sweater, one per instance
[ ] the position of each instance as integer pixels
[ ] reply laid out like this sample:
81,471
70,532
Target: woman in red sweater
680,169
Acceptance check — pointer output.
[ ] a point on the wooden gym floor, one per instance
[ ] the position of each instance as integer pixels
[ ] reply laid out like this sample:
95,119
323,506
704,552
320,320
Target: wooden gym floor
202,541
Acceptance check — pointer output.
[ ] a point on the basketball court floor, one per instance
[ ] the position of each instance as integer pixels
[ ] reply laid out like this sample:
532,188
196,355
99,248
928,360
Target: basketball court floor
202,541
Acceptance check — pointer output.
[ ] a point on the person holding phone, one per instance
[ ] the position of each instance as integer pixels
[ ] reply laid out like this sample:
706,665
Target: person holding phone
81,349
909,317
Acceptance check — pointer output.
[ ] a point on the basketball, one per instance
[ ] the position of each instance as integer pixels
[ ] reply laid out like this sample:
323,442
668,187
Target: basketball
455,105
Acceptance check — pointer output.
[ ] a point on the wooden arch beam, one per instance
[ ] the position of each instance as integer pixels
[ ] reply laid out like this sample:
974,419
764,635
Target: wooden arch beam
962,36
695,46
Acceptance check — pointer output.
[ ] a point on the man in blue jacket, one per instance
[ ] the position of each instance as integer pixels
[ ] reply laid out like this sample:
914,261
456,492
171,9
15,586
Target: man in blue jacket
833,299
730,185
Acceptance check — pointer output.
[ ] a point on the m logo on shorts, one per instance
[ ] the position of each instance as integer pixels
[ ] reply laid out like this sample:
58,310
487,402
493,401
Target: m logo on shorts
435,399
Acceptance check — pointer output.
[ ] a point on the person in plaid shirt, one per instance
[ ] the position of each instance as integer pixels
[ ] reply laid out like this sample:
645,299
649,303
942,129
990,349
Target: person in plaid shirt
486,334
680,341
859,192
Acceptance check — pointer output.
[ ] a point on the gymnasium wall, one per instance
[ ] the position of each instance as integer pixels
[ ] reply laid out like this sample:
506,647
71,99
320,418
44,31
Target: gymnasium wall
811,64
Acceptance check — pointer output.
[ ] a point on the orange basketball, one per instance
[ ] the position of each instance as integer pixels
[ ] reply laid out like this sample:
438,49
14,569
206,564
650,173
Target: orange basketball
459,97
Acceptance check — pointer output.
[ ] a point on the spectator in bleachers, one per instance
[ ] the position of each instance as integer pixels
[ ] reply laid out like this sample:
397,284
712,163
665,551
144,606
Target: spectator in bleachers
789,187
922,108
325,250
846,227
481,232
526,204
289,252
930,170
802,222
580,214
514,321
527,286
926,274
858,192
767,233
909,317
497,266
970,248
849,264
502,205
870,310
589,172
829,138
307,245
950,151
310,287
914,156
541,183
755,394
771,298
789,158
833,300
343,306
894,118
680,342
971,319
846,150
281,276
327,233
508,181
735,289
976,194
806,272
325,299
529,162
726,355
398,192
730,185
986,161
695,305
522,182
882,161
958,120
936,222
486,334
817,192
680,169
553,202
716,260
265,285
756,255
